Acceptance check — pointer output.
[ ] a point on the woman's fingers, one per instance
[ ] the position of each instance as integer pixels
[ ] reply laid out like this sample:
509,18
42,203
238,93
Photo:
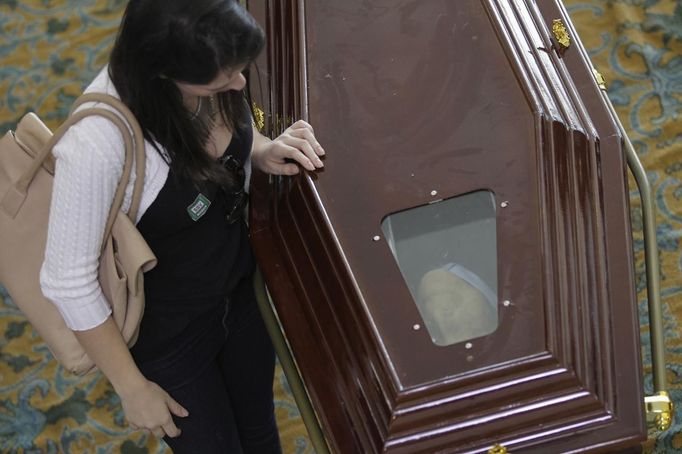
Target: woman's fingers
298,144
304,147
171,429
151,409
176,408
293,153
308,135
302,124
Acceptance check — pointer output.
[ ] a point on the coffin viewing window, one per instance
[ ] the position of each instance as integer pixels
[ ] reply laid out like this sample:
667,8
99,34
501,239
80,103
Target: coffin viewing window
447,254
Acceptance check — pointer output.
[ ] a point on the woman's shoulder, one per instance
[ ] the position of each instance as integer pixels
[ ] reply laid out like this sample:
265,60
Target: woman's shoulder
102,84
97,134
91,132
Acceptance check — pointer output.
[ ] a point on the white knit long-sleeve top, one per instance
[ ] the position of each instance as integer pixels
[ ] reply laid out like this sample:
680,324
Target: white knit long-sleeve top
89,164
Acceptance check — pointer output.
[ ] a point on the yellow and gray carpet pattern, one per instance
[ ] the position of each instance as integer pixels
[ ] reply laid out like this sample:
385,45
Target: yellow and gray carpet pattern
49,49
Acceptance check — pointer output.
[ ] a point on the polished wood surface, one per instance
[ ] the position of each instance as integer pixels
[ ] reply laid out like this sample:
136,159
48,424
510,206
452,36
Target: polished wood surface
411,97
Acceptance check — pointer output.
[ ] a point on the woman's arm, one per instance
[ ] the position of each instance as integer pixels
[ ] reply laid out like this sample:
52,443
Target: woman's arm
89,165
297,143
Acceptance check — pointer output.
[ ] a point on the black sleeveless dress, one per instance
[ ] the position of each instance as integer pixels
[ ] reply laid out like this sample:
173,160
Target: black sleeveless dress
202,258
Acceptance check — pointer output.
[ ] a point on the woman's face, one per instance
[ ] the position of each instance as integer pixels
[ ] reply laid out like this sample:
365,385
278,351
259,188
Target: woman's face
231,79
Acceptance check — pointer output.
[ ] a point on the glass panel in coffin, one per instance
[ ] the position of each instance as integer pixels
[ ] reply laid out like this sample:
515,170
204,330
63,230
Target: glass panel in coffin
447,254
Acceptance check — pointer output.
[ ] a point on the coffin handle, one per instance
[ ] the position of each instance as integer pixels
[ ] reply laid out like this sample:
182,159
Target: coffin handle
659,407
289,365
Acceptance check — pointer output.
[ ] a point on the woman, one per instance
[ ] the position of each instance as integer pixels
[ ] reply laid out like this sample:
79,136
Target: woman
201,372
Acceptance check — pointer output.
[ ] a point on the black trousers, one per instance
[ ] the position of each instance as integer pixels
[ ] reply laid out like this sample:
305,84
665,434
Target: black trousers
230,399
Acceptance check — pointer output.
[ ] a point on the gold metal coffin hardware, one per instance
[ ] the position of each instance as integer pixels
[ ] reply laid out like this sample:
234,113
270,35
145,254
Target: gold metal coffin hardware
258,117
497,449
659,410
561,34
601,81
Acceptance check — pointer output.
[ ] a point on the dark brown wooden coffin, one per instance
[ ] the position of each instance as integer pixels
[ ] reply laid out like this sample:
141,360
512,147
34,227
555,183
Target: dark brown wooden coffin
418,103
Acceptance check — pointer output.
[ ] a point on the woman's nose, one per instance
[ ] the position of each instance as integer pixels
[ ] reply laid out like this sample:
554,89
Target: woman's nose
238,82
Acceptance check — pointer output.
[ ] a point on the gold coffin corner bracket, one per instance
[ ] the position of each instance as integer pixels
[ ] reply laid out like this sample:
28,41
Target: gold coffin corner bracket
659,410
497,449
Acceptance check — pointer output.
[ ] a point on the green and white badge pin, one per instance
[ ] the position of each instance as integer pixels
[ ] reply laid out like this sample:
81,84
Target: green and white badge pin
199,207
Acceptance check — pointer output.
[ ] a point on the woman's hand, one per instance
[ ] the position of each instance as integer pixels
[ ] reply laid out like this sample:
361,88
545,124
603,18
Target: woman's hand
145,404
297,143
148,407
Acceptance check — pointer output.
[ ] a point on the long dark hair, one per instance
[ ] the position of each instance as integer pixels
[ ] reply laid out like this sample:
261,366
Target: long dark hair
191,41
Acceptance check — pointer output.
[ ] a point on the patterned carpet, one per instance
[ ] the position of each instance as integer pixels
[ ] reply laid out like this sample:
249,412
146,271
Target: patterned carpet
50,48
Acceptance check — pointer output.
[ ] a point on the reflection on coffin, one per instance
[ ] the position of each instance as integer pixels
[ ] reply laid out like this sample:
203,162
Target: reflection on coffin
460,273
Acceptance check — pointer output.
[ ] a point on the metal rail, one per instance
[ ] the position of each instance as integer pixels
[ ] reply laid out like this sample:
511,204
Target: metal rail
659,407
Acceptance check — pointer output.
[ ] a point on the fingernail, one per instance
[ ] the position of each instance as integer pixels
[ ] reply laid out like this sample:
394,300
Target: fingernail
319,163
321,150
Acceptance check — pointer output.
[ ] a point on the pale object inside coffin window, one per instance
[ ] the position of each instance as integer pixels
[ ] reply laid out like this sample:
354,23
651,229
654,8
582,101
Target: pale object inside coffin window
447,254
